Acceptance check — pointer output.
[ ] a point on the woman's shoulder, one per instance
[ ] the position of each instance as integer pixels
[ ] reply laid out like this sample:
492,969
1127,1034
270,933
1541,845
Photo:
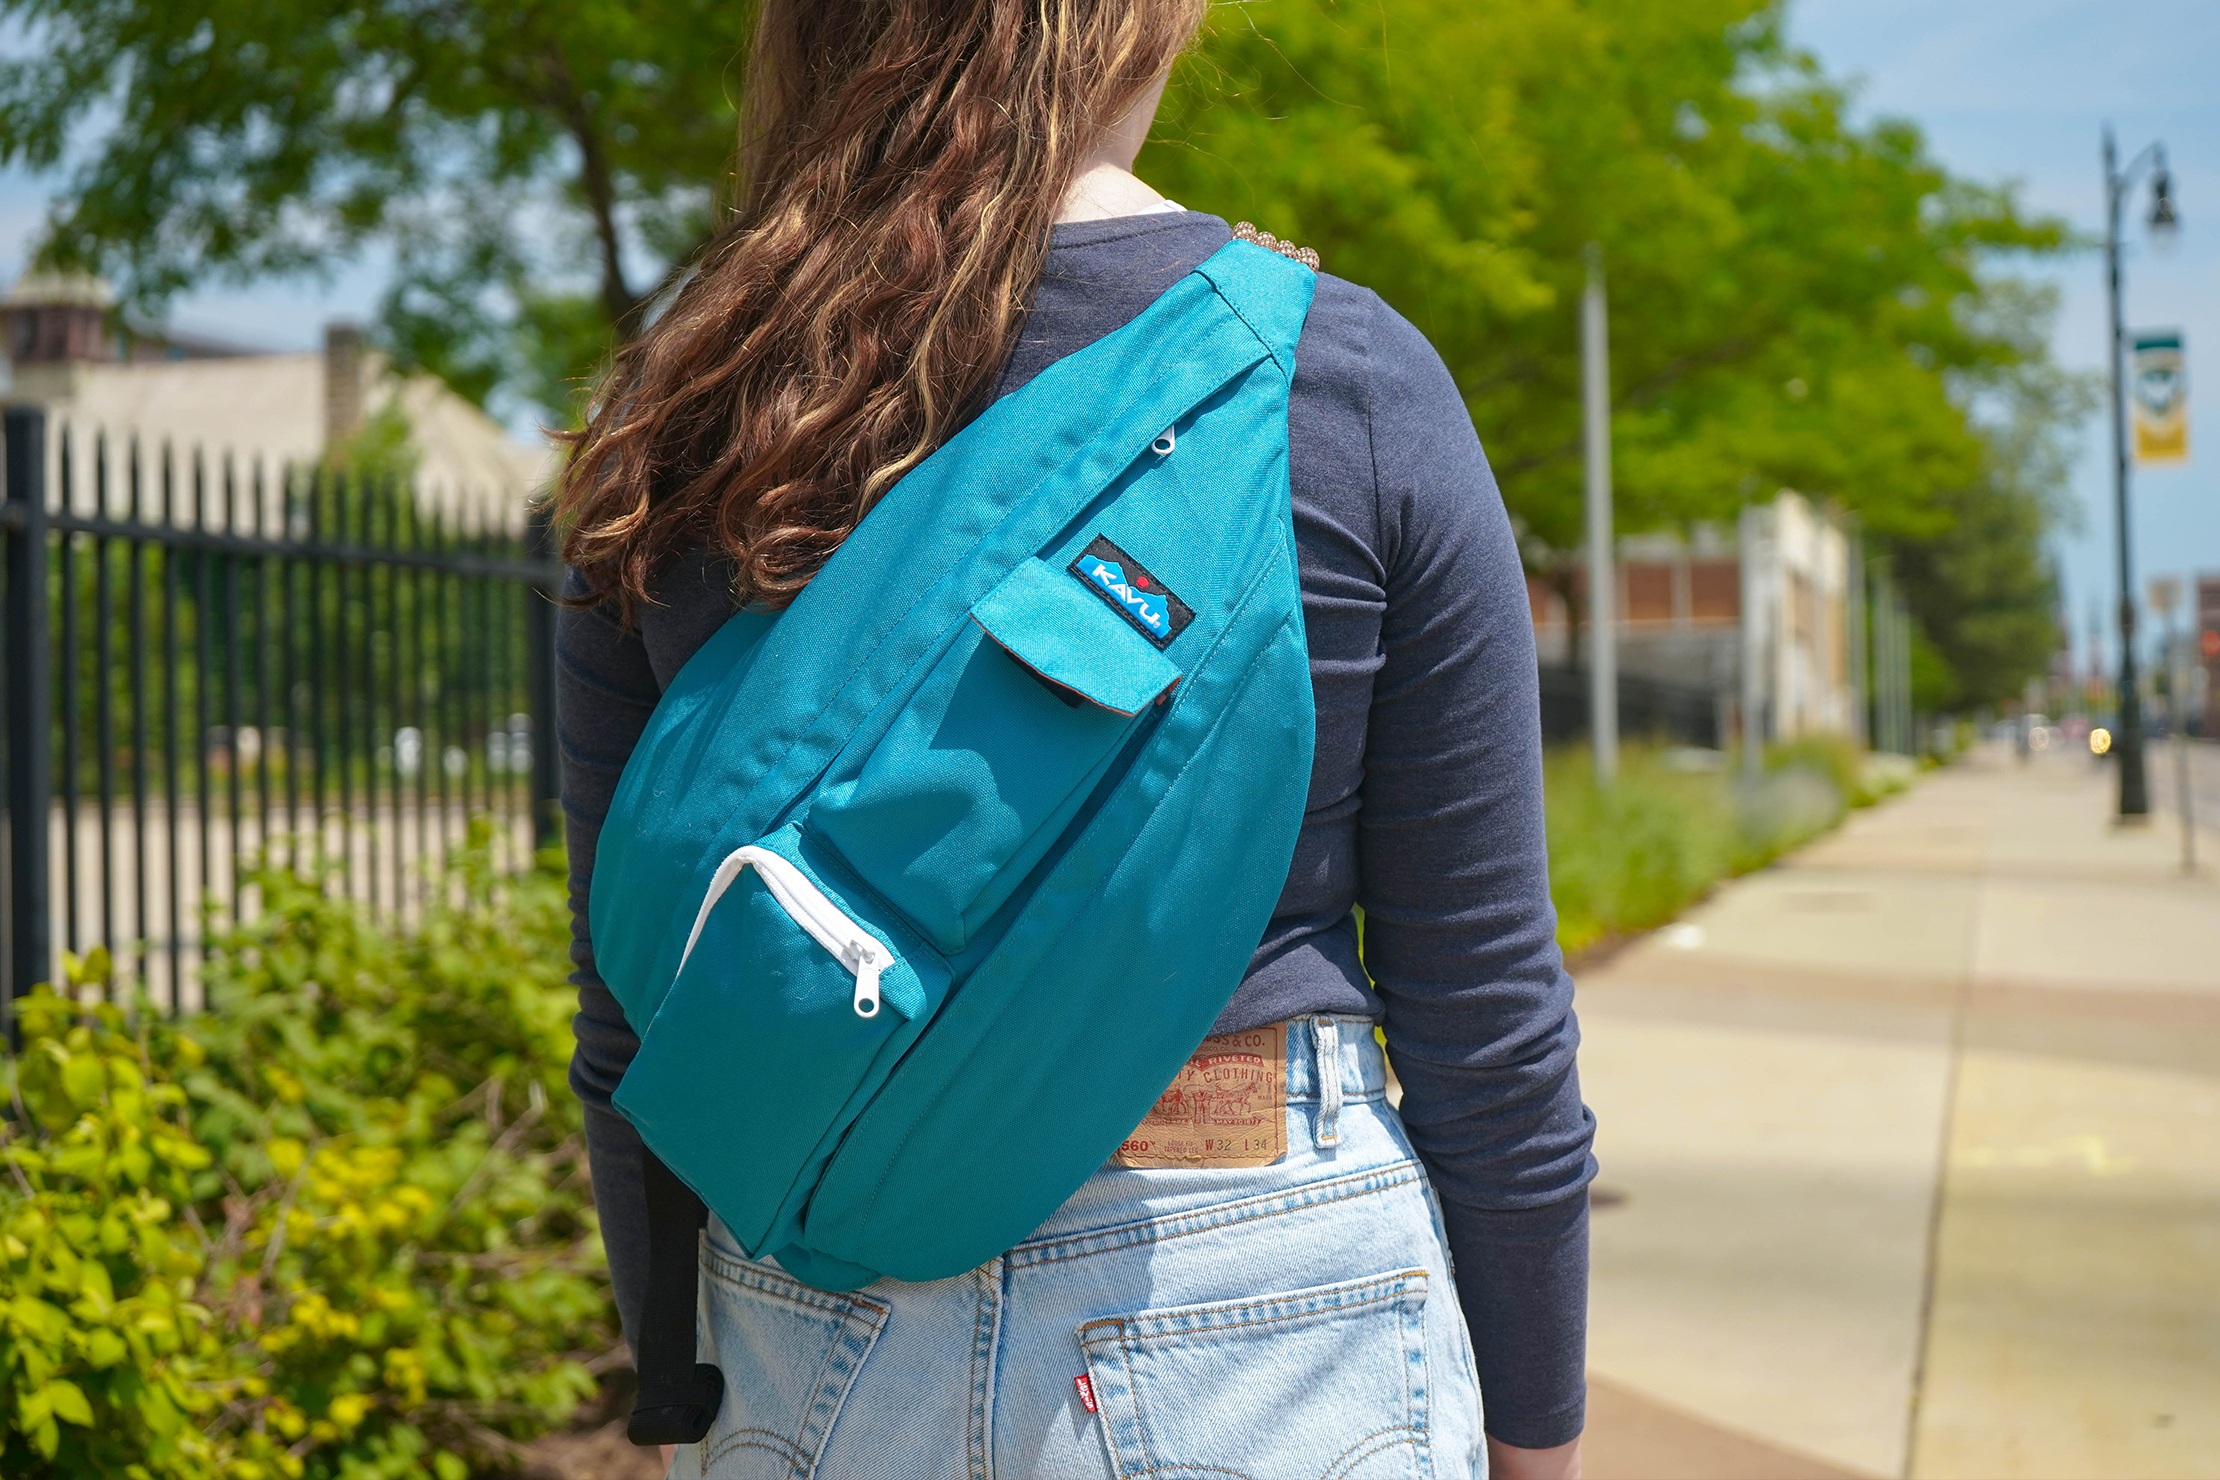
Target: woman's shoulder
1354,340
1100,274
1383,442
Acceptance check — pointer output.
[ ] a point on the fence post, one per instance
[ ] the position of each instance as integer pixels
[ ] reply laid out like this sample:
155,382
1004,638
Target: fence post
30,705
539,676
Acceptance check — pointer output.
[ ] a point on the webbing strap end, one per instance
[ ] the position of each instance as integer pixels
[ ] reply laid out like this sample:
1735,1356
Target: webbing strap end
680,1415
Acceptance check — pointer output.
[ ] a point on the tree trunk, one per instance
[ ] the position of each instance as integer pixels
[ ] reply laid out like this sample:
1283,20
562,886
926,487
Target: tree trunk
618,302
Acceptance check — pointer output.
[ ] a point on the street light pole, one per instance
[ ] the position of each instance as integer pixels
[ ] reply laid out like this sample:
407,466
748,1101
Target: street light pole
1603,574
2177,685
2127,745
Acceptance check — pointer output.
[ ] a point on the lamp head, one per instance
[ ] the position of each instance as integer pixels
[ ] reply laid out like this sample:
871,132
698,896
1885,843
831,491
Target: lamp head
2164,223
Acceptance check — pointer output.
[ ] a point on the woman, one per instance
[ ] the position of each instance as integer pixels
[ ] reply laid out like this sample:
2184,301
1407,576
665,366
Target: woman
939,203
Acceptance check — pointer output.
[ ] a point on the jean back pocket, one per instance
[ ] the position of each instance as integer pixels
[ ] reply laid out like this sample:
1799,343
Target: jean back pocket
1322,1384
789,1354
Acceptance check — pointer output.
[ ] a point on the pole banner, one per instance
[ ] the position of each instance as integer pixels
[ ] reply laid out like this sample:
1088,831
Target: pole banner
2160,394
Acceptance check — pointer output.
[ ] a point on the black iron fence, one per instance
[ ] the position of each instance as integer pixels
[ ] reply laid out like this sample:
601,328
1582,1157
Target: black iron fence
207,661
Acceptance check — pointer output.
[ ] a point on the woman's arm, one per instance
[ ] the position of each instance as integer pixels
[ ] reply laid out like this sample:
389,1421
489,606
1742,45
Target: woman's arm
605,689
1460,936
1509,1462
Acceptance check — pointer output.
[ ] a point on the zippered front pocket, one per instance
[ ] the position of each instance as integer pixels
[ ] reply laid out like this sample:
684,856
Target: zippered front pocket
807,906
797,993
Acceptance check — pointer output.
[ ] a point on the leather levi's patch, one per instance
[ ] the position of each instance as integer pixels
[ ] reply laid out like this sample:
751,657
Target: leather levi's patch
1227,1107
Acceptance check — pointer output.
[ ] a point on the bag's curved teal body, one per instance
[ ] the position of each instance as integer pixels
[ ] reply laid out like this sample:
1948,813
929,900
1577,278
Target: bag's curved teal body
919,893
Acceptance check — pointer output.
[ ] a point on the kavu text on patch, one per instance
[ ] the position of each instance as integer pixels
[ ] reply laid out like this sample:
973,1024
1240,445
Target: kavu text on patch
1132,592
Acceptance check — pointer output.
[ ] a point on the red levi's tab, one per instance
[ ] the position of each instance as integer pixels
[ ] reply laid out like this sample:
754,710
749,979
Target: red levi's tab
1086,1388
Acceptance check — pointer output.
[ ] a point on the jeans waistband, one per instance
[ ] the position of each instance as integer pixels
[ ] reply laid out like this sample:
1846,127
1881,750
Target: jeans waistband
1344,1041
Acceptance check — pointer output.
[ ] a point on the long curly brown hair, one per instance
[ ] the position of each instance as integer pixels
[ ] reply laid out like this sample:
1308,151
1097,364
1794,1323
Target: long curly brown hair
900,164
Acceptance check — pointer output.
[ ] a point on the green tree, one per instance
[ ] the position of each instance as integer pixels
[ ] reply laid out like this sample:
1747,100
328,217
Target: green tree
1984,585
533,166
1796,300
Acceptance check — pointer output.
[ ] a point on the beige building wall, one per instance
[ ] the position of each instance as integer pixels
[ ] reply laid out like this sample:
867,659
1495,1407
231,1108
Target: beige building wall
253,416
1805,582
1683,601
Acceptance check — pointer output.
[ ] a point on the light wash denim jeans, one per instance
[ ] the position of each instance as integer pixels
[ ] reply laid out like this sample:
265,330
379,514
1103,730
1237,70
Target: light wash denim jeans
1276,1323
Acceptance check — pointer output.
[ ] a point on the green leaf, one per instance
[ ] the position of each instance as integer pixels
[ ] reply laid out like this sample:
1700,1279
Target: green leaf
66,1400
84,1080
91,970
94,1281
38,1319
103,1349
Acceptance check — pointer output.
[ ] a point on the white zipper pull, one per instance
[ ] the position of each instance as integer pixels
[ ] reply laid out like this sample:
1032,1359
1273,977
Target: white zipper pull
1164,444
863,959
806,905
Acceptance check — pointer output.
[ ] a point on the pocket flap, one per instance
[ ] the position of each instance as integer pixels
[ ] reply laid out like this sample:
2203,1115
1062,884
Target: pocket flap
1046,620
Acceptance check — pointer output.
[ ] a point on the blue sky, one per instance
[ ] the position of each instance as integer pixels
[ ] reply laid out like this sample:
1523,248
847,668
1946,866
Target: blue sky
2005,90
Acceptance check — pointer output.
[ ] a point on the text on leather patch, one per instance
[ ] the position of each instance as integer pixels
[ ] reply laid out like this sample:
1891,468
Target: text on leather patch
1226,1108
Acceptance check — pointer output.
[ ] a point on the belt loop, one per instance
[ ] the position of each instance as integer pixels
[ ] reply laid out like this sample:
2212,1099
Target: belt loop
1326,1039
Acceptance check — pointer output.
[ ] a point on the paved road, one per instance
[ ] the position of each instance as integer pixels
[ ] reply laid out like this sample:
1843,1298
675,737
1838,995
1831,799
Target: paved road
1911,1152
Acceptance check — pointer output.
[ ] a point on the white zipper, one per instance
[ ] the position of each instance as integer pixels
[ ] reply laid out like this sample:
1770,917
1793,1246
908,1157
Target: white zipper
850,944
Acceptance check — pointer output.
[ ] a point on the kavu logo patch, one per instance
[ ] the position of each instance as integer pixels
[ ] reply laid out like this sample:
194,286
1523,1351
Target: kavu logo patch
1132,592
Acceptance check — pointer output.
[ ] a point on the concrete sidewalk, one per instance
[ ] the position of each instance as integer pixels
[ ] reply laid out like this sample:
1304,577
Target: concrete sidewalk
1911,1153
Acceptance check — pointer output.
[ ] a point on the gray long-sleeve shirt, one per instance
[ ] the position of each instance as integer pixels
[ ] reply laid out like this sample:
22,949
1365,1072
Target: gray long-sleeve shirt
1425,805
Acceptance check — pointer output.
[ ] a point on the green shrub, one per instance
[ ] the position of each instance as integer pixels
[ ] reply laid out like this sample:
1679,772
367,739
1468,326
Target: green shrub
1845,764
1630,856
359,1225
110,1362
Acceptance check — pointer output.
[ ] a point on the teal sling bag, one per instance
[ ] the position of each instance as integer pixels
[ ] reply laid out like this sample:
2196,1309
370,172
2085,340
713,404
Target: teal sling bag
920,892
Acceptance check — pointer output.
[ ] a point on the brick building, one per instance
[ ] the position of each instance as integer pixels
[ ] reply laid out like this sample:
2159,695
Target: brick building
1680,627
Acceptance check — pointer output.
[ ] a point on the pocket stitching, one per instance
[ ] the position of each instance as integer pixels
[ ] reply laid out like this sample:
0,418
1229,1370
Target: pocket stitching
1414,1435
1406,1434
752,1276
848,1313
786,1449
1201,1220
1133,1388
1402,1279
1420,1405
799,1460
